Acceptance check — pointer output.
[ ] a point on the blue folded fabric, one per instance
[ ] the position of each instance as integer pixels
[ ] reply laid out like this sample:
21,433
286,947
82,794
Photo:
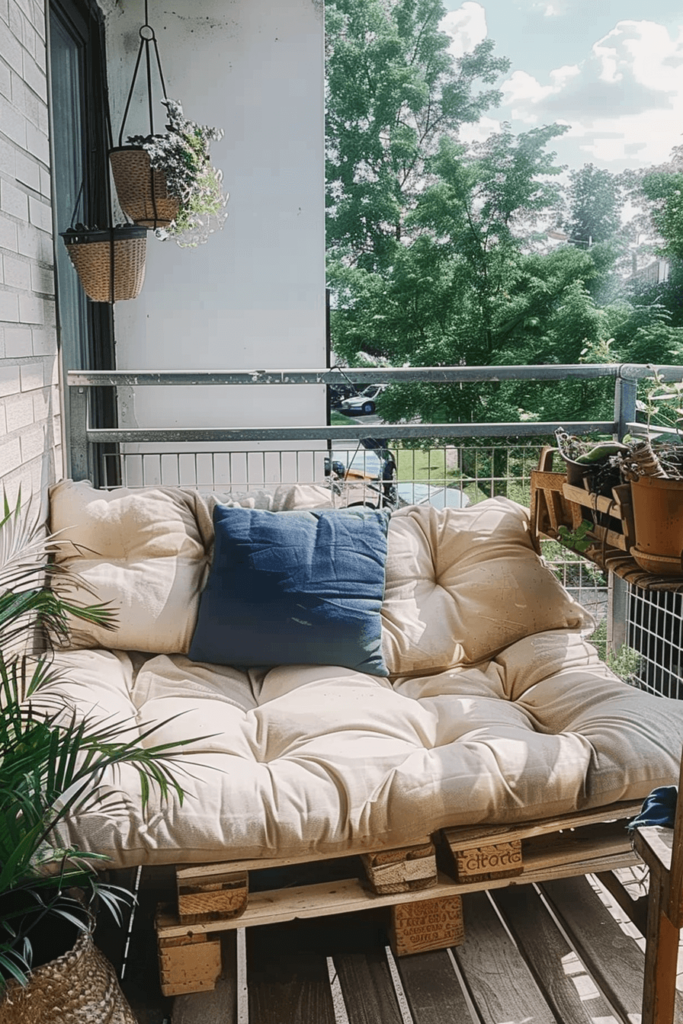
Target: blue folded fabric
659,808
302,587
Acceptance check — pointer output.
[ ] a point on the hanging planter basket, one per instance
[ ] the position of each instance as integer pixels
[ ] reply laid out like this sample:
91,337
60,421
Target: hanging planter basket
142,191
110,263
80,985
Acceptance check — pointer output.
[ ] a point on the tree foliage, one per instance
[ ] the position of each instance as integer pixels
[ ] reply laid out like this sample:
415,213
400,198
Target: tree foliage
595,202
436,248
393,90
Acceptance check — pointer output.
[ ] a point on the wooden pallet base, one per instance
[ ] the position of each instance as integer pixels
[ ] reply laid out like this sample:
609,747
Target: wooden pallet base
478,858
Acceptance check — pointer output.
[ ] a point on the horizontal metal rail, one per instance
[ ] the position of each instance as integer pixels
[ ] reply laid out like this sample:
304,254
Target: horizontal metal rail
368,375
383,430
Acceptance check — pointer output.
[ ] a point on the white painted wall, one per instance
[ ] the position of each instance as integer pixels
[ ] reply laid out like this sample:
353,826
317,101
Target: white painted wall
254,295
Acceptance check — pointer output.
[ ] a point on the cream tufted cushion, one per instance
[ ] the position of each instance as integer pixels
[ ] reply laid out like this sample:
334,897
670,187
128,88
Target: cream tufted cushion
313,759
462,584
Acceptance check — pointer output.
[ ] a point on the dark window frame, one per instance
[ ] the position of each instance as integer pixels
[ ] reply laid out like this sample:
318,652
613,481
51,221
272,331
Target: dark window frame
84,22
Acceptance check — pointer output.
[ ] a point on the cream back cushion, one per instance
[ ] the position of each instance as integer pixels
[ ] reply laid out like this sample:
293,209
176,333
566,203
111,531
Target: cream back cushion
462,584
141,551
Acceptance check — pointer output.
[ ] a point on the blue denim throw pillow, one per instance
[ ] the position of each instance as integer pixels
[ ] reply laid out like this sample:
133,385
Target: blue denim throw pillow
302,587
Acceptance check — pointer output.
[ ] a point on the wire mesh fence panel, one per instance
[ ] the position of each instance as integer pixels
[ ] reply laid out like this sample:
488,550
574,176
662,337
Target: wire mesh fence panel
655,636
443,476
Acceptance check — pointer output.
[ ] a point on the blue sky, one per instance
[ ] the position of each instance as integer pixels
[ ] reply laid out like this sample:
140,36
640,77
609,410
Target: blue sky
611,69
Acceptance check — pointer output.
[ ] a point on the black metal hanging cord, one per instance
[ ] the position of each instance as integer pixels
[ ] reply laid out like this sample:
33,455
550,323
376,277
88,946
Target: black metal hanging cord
147,38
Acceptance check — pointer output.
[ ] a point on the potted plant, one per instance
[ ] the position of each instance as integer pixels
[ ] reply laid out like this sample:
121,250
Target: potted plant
167,181
109,262
52,764
655,471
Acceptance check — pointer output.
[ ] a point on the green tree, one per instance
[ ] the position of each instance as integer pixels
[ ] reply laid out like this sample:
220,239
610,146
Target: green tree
595,202
393,90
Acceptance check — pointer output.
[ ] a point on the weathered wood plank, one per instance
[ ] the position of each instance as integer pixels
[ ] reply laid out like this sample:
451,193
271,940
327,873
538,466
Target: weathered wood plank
562,978
661,954
635,910
367,988
462,838
496,974
286,981
432,989
612,957
259,863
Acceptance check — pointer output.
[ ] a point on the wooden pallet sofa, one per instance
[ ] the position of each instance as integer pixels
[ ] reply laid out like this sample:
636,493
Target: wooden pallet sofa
470,737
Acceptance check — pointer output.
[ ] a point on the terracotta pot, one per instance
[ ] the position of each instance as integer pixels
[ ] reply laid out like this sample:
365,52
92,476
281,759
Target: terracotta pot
658,517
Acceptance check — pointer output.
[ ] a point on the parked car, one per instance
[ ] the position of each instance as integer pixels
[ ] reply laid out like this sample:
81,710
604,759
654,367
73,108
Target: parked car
338,392
363,404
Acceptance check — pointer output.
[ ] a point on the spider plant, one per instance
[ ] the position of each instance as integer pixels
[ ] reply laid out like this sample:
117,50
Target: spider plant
53,760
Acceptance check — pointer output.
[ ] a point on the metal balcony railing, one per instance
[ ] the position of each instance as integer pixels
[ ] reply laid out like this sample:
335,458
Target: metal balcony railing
443,463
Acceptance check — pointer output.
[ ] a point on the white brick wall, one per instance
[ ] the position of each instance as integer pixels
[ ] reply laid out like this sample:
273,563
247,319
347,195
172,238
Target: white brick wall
30,429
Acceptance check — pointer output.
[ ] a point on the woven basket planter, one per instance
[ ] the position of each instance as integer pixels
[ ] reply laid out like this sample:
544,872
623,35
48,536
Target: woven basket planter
110,263
79,987
142,191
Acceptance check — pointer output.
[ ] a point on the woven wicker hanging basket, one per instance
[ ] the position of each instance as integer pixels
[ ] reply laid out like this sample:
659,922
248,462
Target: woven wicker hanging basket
79,987
142,191
110,263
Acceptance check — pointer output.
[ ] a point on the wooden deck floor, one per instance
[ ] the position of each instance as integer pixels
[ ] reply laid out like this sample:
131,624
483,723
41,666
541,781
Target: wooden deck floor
560,953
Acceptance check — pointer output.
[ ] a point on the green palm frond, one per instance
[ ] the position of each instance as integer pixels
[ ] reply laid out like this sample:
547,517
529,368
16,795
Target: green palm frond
55,763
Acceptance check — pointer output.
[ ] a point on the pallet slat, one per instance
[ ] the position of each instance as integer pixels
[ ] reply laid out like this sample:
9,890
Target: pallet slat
466,837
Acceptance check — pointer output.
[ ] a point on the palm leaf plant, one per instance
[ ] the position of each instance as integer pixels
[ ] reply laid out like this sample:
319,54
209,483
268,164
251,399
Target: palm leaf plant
53,760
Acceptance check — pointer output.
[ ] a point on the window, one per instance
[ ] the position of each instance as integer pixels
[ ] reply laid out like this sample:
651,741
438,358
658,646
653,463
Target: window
78,98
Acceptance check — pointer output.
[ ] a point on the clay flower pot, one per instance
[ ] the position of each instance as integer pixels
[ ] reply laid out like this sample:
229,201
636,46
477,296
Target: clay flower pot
658,516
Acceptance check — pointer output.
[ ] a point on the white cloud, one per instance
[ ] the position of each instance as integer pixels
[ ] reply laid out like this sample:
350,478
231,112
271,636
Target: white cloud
625,100
466,26
480,131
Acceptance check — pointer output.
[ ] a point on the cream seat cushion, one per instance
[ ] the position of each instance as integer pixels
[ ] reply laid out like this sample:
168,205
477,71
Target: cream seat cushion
304,760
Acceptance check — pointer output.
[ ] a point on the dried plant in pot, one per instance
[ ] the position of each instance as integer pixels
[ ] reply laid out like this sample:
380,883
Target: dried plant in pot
54,762
589,462
110,262
167,181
